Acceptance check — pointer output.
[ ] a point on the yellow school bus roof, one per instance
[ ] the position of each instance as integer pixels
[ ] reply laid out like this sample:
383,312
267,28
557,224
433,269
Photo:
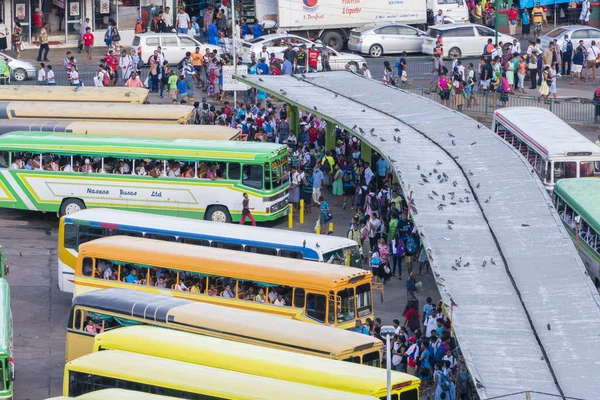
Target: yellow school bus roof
249,359
195,378
249,325
219,262
115,394
109,112
81,94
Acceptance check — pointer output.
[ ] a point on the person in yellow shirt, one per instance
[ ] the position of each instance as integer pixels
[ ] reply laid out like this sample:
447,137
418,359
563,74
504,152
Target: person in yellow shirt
538,17
476,13
197,64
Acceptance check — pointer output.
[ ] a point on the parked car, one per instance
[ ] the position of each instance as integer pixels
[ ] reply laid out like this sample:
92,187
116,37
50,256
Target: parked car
21,70
173,45
462,40
575,34
278,43
379,39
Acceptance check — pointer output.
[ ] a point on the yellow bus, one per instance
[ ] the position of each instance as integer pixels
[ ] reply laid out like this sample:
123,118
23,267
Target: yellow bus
117,369
253,360
328,294
115,394
113,309
84,94
146,130
108,112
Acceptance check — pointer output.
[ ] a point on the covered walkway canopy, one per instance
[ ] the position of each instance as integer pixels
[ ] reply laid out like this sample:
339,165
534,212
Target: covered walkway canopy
526,315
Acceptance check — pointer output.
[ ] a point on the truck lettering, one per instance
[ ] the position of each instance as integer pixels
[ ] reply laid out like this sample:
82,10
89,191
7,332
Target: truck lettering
156,194
97,191
127,193
350,11
314,17
350,1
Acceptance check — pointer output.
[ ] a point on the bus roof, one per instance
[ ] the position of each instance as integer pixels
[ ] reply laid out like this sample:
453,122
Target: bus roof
246,358
164,224
5,323
147,130
250,266
81,94
583,194
549,134
115,394
131,147
303,336
117,112
190,377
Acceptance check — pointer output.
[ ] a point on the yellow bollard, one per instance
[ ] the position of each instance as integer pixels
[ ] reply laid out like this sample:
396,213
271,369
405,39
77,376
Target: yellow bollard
330,229
301,215
318,230
291,217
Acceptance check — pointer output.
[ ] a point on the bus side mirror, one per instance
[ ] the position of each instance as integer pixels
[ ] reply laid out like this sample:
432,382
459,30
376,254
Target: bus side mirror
12,371
6,270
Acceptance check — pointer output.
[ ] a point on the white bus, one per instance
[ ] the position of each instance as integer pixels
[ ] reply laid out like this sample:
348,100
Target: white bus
89,224
550,145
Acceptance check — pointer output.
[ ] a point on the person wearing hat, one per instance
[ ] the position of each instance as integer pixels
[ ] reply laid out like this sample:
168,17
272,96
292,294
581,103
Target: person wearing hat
140,27
195,29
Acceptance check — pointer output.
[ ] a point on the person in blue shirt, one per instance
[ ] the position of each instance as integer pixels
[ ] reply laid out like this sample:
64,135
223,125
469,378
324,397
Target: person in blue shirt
253,68
401,63
257,29
382,170
317,184
133,276
262,65
213,34
287,67
360,328
245,29
324,213
182,90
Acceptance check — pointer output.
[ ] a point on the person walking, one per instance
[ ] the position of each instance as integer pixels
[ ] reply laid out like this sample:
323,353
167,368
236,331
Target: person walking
567,55
338,186
577,66
246,211
525,24
17,35
43,39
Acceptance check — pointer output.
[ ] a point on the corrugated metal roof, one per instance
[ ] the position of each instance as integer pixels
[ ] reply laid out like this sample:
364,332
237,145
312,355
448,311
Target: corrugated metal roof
521,291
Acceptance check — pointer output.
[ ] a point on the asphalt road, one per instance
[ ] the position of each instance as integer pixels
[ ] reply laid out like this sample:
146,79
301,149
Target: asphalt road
40,310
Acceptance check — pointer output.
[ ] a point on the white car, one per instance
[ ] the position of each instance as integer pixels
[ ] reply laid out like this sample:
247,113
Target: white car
278,43
388,38
21,69
462,40
173,45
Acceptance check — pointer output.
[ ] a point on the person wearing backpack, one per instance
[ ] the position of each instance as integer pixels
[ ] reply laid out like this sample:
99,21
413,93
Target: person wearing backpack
441,383
566,55
374,225
424,366
411,248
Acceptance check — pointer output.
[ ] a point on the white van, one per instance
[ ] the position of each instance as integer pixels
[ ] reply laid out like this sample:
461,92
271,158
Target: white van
456,11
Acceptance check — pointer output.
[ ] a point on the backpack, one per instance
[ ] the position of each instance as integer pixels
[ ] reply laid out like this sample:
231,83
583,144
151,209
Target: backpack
312,162
181,63
349,176
411,245
569,46
597,94
383,200
414,323
326,167
443,69
439,353
444,382
106,79
506,85
373,203
458,87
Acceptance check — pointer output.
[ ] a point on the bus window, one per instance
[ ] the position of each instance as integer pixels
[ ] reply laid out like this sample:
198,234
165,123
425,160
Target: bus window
252,176
87,267
194,241
299,298
290,254
315,306
347,311
567,169
70,238
586,168
353,359
227,246
261,250
116,232
364,302
371,359
157,236
233,171
3,159
87,233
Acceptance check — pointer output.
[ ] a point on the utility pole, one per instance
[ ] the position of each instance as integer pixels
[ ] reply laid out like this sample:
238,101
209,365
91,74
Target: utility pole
497,7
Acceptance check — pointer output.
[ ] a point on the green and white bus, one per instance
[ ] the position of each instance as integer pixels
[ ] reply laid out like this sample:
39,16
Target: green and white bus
6,343
65,172
578,204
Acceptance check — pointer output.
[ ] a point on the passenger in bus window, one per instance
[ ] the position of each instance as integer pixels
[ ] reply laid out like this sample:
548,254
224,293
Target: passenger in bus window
260,297
17,162
161,283
228,293
87,167
90,327
273,295
53,165
35,162
140,169
212,291
212,173
189,172
174,170
132,277
196,287
279,301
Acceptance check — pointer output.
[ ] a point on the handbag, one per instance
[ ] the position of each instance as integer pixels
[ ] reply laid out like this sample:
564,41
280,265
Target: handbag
117,37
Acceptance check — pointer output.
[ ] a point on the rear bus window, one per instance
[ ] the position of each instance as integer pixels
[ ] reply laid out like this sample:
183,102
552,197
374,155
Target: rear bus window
315,306
87,233
70,236
87,266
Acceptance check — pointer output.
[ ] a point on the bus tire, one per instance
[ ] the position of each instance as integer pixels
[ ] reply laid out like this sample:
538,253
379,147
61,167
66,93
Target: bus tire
71,206
218,214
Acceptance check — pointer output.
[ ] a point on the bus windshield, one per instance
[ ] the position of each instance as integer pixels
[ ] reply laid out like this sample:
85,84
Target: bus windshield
279,172
364,301
349,256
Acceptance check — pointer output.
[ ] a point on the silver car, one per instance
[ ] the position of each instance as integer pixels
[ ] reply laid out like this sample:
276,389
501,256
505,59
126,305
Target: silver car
379,39
21,70
575,33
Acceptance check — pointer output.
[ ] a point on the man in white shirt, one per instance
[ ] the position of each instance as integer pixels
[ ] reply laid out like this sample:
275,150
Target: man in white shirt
430,323
439,18
374,225
17,163
365,71
74,77
183,21
279,301
168,18
368,174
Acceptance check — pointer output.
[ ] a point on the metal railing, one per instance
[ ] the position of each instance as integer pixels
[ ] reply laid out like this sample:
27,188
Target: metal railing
567,109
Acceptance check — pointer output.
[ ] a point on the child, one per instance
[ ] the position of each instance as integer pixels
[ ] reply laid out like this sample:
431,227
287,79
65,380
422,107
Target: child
88,43
50,76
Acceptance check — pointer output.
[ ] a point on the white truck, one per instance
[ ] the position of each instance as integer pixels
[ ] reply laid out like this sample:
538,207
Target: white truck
331,20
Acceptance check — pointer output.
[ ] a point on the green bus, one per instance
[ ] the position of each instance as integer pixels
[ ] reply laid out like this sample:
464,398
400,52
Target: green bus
66,172
578,204
6,342
3,264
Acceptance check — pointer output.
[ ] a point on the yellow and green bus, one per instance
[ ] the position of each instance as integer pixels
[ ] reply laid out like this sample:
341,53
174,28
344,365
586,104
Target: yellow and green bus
6,342
114,309
118,369
577,201
79,94
115,394
319,293
259,361
66,172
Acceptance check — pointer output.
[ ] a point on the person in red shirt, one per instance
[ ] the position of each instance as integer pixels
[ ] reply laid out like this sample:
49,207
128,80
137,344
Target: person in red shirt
313,133
512,20
88,43
38,22
313,59
112,62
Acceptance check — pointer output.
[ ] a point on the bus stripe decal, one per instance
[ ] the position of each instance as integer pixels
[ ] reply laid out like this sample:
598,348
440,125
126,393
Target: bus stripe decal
4,110
19,192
